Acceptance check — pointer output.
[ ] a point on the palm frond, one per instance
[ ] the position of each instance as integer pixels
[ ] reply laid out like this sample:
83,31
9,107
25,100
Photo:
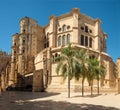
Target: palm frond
58,67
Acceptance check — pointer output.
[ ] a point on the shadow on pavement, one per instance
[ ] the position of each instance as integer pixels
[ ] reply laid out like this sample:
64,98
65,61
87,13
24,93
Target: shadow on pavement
18,95
52,105
18,101
94,95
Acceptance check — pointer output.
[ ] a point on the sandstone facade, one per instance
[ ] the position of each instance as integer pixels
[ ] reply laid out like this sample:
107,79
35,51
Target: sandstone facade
118,70
25,45
34,50
82,32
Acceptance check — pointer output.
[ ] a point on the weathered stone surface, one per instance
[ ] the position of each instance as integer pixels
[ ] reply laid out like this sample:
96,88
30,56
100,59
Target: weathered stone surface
35,48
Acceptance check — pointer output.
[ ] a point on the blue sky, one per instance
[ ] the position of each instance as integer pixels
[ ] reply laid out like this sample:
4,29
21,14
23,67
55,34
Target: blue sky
11,11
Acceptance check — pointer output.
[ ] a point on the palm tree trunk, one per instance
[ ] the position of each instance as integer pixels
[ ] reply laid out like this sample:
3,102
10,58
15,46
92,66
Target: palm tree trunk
82,87
91,88
68,86
98,88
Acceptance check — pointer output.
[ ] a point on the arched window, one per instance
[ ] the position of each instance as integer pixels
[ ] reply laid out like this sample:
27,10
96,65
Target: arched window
59,29
86,41
63,40
46,40
82,40
68,39
68,27
59,40
64,27
86,29
90,42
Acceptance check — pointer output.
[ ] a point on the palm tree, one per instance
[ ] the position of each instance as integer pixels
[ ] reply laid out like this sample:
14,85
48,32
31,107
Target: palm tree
100,73
66,65
96,71
81,56
93,69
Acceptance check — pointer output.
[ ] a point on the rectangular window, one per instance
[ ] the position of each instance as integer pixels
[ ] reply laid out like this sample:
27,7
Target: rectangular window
90,42
68,39
82,40
86,41
63,40
59,40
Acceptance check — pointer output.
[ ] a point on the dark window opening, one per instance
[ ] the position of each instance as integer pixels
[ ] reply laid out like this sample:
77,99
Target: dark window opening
23,30
23,51
23,41
46,44
90,42
63,40
59,57
56,54
14,44
86,41
82,28
53,59
86,29
14,52
82,40
90,31
59,29
68,27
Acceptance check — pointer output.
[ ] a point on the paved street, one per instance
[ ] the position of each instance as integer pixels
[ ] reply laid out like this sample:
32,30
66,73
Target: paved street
57,101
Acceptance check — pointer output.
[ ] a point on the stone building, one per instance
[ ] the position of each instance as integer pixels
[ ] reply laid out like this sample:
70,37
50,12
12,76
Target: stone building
25,45
4,70
43,44
118,70
83,32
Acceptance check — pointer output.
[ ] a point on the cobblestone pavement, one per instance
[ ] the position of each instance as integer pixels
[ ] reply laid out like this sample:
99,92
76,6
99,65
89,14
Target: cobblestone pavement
47,101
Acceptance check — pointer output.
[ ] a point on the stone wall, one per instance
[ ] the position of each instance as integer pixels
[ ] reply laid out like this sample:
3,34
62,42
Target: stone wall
38,81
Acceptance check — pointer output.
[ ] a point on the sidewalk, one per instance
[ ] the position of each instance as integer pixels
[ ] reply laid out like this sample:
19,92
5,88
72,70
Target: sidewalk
58,101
